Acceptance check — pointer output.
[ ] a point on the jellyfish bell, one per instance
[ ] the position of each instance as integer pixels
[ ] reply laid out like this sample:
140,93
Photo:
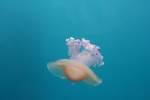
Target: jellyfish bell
83,55
73,71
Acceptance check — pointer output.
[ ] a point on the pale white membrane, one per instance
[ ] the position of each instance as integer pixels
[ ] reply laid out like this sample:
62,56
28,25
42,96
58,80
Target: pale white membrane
57,68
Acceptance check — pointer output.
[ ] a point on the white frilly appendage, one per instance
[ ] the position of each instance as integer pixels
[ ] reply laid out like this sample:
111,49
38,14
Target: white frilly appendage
84,52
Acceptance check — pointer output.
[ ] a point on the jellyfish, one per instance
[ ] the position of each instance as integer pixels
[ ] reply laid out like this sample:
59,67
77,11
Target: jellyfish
83,55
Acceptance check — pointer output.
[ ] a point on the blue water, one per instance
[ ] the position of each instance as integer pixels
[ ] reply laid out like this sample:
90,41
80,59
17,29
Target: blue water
32,33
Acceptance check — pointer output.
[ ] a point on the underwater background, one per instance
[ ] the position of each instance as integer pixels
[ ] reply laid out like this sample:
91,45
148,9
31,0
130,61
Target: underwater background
33,33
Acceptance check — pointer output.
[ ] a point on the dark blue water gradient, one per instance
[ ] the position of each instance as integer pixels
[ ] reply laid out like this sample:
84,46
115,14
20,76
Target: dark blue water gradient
32,33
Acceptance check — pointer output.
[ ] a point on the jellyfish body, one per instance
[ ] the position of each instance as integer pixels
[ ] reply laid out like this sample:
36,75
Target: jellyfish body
83,55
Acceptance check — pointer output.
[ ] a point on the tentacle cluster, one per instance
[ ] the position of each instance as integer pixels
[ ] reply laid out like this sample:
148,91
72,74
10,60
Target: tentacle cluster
84,49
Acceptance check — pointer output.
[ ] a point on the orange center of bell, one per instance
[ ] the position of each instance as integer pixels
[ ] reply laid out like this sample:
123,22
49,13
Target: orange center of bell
75,73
